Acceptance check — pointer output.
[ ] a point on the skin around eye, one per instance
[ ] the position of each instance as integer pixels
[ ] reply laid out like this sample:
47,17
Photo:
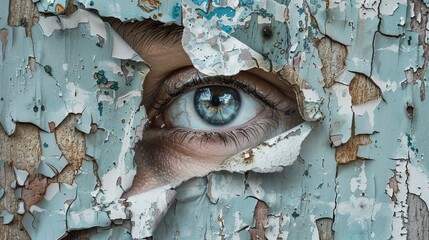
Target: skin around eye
173,153
182,141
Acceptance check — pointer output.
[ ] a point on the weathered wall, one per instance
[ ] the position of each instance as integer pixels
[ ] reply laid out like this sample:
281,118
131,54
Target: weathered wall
358,67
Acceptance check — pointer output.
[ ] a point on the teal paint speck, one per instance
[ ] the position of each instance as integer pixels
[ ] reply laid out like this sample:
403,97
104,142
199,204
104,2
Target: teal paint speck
226,28
247,3
295,214
45,145
100,108
301,11
114,86
42,108
48,70
199,2
91,3
101,78
176,11
36,109
219,13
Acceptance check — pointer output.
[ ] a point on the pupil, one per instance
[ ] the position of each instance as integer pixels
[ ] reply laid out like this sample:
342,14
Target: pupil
217,105
215,101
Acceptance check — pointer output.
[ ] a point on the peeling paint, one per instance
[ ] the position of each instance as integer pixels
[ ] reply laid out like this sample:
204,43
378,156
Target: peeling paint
77,64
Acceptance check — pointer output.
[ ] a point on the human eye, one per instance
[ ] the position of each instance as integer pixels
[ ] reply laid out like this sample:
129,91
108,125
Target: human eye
196,122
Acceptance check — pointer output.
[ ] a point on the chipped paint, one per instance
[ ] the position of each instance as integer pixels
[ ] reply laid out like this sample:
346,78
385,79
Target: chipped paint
77,64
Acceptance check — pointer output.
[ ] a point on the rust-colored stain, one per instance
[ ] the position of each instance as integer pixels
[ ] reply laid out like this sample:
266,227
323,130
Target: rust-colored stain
3,33
248,157
59,8
149,5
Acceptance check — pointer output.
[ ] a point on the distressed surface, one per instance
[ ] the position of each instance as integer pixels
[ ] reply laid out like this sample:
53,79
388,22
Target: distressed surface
359,69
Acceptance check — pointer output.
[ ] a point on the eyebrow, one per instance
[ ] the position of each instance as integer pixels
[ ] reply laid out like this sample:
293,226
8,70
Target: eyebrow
147,32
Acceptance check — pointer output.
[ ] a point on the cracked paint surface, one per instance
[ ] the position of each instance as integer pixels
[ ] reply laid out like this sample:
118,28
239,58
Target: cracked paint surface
385,41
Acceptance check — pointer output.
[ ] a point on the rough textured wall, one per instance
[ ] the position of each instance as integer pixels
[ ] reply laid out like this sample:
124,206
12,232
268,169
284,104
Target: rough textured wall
70,94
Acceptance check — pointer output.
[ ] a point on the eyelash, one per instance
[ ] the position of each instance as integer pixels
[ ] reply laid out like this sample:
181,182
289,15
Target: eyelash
255,130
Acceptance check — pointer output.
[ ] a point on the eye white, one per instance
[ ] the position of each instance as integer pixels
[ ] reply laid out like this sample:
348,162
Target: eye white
182,113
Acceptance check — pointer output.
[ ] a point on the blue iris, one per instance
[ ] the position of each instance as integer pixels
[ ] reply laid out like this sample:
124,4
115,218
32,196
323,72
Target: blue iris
217,105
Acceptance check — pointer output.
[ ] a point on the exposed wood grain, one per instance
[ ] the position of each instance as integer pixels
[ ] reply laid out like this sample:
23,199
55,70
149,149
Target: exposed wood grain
363,89
347,152
333,56
324,226
23,13
418,218
260,218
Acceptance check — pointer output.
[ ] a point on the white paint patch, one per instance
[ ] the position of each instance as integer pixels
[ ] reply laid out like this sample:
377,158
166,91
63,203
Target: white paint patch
148,209
239,224
313,228
212,50
278,10
120,101
121,49
369,108
400,207
393,48
21,208
418,182
359,182
385,85
389,7
52,23
35,208
78,98
341,4
109,180
344,98
360,210
263,20
115,68
255,186
51,191
274,227
368,9
224,186
21,176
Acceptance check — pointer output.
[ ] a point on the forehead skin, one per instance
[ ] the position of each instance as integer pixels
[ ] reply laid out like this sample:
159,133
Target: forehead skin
160,46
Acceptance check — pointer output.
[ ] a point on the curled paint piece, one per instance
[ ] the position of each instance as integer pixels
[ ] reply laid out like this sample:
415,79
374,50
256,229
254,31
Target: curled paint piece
21,176
7,217
21,208
13,185
52,162
51,211
51,6
270,156
148,209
